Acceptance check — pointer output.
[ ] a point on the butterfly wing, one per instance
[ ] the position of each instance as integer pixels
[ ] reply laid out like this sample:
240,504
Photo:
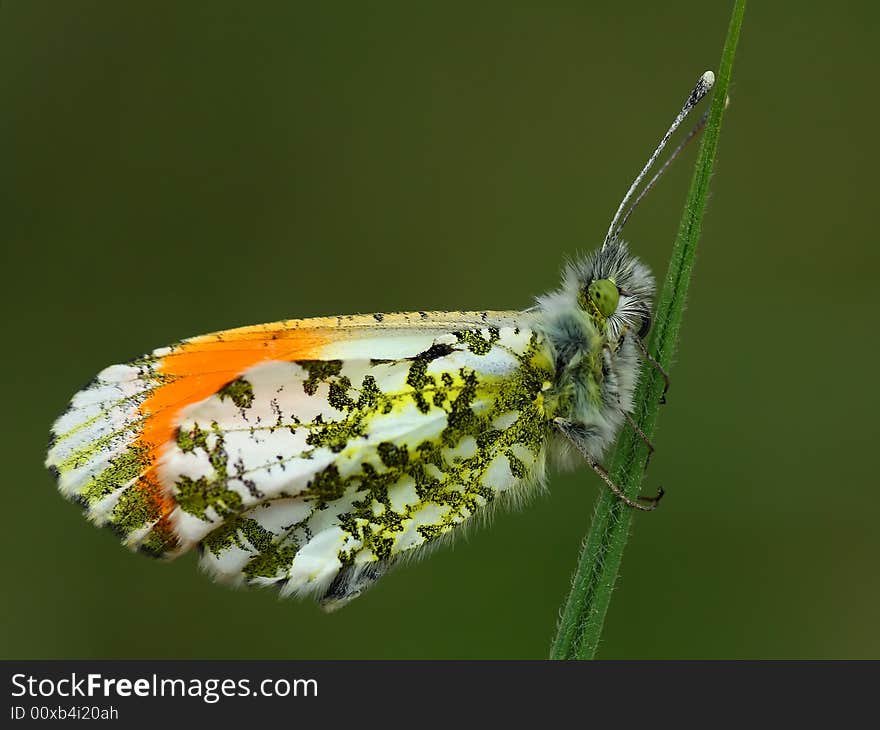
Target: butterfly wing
310,453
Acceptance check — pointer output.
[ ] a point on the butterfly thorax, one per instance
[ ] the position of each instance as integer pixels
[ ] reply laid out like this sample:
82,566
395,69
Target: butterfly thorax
590,324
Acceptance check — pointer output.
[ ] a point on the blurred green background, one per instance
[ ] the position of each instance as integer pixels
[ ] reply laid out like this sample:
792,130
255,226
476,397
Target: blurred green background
169,169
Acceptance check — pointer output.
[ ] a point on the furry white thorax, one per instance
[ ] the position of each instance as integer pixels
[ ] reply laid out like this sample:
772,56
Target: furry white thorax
575,337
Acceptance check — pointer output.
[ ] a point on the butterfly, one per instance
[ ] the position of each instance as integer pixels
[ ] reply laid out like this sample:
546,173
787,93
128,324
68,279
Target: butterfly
314,454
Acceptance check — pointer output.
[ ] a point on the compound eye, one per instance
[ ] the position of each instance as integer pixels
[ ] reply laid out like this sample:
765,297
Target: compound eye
604,295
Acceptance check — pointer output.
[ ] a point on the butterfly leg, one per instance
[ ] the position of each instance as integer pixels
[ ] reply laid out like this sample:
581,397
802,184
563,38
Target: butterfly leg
657,366
629,419
576,436
641,434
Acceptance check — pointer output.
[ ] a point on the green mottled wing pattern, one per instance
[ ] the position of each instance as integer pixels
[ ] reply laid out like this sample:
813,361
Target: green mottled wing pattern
316,476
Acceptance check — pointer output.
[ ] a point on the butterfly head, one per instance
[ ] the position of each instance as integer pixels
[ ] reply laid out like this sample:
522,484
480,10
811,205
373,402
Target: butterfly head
606,294
614,290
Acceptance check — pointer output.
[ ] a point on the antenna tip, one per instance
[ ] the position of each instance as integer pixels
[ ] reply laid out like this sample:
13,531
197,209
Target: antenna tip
704,85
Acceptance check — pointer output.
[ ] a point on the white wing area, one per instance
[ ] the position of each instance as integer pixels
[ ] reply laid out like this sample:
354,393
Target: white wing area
276,446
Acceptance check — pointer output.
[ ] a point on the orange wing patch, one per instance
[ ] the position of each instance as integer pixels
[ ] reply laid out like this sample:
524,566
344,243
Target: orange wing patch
190,372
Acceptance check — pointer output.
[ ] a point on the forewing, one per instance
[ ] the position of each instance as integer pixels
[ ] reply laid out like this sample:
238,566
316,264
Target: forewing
309,453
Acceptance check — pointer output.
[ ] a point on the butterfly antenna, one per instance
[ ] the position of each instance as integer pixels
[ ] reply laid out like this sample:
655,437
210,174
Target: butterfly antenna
704,85
698,127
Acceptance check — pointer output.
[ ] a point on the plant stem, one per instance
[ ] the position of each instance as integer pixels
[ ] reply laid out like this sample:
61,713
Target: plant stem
580,626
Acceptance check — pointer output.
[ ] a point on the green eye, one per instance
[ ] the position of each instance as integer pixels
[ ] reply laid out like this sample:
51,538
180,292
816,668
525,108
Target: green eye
604,295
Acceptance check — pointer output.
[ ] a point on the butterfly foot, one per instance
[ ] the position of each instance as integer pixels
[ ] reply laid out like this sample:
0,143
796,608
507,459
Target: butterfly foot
655,500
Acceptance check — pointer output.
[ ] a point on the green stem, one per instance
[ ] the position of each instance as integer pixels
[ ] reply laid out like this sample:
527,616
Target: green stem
584,614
